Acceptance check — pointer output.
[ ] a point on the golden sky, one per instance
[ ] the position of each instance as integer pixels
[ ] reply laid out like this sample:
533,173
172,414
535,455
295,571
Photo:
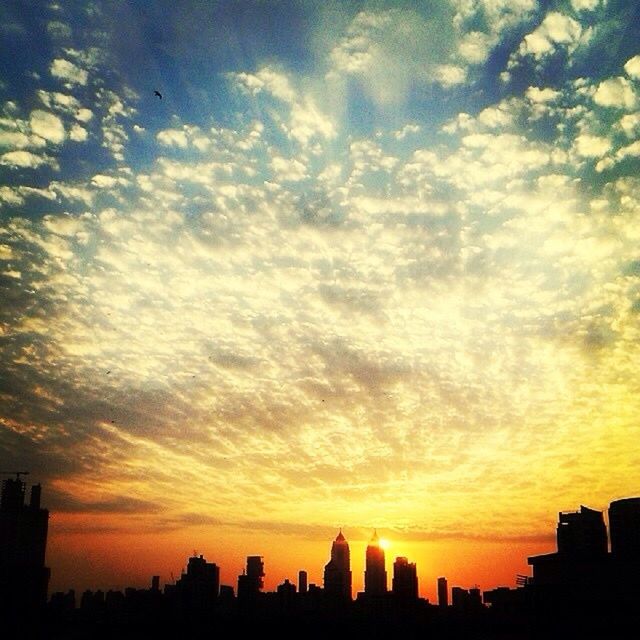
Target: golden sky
362,266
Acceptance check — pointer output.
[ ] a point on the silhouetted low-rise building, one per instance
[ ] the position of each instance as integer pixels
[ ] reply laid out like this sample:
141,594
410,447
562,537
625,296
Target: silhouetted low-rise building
582,533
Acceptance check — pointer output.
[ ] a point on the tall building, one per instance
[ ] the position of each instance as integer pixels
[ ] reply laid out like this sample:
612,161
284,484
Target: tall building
199,585
582,533
337,572
405,579
302,581
250,583
443,592
24,579
375,574
624,529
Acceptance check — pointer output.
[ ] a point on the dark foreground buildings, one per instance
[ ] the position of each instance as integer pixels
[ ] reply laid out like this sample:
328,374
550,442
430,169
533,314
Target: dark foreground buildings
583,572
585,589
24,579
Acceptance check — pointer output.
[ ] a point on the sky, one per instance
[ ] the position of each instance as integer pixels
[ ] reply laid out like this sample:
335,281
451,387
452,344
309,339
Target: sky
364,264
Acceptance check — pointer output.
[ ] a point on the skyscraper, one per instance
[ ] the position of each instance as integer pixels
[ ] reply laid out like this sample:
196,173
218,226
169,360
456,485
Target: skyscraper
302,581
375,575
199,585
405,579
24,579
250,583
337,572
443,592
624,529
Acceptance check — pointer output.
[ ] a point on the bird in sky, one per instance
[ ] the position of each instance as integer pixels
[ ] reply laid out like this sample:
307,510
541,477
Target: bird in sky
157,93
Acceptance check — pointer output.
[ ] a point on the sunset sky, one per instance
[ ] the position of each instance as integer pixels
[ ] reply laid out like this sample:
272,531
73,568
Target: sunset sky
365,264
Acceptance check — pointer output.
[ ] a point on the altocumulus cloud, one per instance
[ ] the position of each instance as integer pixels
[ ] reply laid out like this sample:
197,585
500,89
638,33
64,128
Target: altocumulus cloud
298,303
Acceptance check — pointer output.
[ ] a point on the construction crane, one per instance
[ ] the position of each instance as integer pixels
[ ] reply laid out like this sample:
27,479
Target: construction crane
18,473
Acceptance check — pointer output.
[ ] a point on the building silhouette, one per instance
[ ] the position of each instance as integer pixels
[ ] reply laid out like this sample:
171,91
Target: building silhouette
582,533
405,579
579,591
624,529
197,588
251,582
302,581
580,567
24,578
443,592
337,572
375,574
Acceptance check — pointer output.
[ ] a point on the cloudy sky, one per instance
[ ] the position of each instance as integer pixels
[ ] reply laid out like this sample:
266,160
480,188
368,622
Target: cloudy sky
364,264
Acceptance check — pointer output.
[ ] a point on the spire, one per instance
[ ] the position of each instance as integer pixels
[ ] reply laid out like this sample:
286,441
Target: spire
340,537
374,537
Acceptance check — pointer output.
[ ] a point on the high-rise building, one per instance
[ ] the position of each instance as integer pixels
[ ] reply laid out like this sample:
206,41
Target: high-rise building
375,574
582,533
443,592
24,579
250,583
624,529
302,581
337,572
198,586
405,579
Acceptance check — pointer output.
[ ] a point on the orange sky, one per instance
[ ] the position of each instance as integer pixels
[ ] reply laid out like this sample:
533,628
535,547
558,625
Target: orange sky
114,560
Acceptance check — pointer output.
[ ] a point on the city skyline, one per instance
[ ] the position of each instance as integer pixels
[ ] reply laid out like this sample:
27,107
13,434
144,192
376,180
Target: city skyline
273,268
582,533
602,554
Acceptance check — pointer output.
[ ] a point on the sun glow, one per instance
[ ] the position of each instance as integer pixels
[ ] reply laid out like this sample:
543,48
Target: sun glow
384,543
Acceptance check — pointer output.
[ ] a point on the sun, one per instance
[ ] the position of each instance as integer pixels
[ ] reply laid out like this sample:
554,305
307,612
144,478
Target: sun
384,543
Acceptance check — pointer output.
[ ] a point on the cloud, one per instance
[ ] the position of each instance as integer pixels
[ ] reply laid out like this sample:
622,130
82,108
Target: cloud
632,67
557,30
26,159
474,47
408,129
615,92
449,75
585,5
172,137
535,94
630,124
592,146
268,80
389,51
288,169
341,280
47,125
308,122
78,133
69,72
66,503
184,137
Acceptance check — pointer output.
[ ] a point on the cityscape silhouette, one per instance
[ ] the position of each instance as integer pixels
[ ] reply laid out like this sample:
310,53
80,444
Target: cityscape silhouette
588,587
